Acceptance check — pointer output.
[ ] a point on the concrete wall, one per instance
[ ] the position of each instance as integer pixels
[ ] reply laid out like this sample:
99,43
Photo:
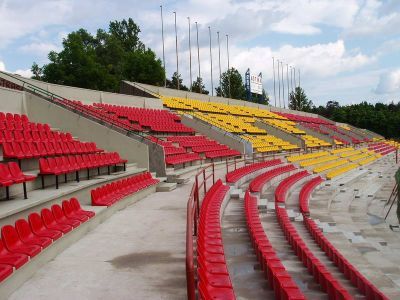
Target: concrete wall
89,96
11,101
334,133
217,134
281,134
317,134
40,110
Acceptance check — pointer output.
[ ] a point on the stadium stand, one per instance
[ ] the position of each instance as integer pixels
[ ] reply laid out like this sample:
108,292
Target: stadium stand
110,193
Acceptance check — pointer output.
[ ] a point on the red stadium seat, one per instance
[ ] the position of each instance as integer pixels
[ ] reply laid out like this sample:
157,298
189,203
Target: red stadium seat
38,227
15,245
28,237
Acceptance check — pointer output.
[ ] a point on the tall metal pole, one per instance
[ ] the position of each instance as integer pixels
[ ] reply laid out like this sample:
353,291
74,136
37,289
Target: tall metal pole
190,57
198,54
294,79
287,78
176,47
219,63
299,78
229,76
283,87
273,71
279,84
291,79
163,47
212,85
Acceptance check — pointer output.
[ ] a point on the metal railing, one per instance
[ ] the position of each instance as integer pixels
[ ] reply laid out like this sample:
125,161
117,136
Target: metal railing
193,212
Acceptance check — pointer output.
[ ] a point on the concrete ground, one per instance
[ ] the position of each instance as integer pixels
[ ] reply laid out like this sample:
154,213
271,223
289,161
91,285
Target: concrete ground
138,253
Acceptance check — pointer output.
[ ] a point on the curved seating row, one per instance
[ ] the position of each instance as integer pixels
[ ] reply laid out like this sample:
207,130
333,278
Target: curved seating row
25,150
108,194
62,165
351,273
11,174
222,153
285,185
177,159
314,266
257,183
237,174
213,277
30,236
278,278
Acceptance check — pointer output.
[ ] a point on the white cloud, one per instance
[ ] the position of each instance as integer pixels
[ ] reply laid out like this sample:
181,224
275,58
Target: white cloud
24,73
39,48
389,82
2,66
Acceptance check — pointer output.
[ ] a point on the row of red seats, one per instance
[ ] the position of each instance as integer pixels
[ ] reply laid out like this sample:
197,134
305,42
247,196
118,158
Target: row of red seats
108,194
194,143
62,165
34,136
181,158
11,174
174,150
257,183
29,237
235,175
284,185
314,266
306,119
25,150
306,192
343,132
278,278
212,272
20,126
222,153
208,148
10,117
350,272
180,138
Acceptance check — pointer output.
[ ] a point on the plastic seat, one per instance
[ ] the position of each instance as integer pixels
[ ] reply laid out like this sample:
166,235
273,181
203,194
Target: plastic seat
14,244
16,173
13,259
72,214
28,237
77,207
60,217
38,227
50,222
5,271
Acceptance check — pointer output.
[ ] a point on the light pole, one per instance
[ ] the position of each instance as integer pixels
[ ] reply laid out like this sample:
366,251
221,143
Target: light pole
299,78
273,71
219,63
211,66
190,57
287,78
229,74
283,86
291,79
176,47
294,79
198,54
163,47
279,85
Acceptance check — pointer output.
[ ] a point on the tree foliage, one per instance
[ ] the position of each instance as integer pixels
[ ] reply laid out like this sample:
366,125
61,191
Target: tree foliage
298,100
199,87
173,82
101,61
231,85
380,118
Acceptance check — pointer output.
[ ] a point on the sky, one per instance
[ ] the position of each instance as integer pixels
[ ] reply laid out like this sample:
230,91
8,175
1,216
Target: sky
346,50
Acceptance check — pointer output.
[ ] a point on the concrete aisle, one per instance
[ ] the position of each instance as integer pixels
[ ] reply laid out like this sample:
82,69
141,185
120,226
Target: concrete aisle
138,253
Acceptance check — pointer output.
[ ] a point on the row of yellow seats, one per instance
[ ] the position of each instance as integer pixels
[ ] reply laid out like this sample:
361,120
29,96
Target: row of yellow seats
350,153
312,141
342,150
367,160
341,170
331,165
268,143
300,157
288,126
316,161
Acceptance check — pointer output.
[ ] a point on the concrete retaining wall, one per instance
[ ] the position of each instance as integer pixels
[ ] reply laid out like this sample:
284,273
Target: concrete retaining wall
217,134
281,134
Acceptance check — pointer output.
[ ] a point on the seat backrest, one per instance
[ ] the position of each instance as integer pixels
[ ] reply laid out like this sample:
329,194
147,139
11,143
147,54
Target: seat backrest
52,163
23,229
48,217
35,222
67,208
5,172
75,203
10,236
57,212
15,169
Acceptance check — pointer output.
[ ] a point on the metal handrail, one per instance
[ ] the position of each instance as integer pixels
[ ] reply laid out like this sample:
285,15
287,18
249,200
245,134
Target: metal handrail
193,213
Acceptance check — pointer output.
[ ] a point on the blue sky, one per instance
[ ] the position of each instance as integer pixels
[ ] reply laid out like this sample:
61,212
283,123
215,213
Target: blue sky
347,50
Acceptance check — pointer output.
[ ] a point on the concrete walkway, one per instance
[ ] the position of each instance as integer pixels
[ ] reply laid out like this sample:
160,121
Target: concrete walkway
138,253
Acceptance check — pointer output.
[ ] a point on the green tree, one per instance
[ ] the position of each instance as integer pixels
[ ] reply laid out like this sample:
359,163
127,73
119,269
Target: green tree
199,87
299,101
103,60
173,82
231,85
261,99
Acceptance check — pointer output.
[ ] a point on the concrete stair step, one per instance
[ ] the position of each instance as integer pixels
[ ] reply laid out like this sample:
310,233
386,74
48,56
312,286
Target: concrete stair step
166,186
